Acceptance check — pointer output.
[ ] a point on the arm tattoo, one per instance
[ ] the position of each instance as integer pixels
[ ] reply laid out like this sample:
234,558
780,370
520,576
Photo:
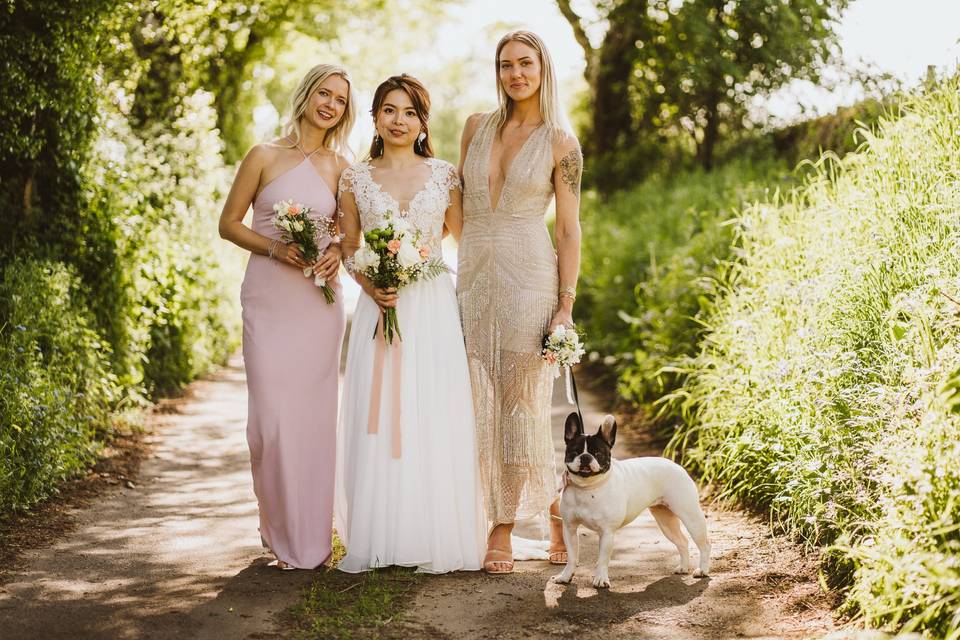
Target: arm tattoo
571,165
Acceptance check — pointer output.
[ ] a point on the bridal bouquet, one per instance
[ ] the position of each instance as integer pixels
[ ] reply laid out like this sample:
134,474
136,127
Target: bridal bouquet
392,257
297,227
562,348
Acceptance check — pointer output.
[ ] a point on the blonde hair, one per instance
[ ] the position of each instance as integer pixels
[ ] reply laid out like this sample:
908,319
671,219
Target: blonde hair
550,109
334,138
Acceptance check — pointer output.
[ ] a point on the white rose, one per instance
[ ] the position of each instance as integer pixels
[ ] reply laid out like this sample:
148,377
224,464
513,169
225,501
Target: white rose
298,225
400,226
408,255
366,259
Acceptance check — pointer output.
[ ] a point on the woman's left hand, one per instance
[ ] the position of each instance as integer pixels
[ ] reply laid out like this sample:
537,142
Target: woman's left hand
562,316
329,263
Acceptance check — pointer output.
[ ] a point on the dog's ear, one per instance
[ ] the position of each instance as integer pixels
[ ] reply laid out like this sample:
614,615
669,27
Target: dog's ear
573,427
608,430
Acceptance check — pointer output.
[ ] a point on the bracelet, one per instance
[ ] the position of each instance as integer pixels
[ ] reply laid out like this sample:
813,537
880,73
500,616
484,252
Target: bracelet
272,248
568,292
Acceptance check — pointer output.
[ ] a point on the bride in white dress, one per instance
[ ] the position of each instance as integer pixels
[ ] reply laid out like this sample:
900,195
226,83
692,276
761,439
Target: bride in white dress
408,492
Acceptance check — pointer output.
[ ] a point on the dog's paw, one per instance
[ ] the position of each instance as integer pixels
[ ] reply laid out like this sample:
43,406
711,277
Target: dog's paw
681,570
562,578
700,573
601,581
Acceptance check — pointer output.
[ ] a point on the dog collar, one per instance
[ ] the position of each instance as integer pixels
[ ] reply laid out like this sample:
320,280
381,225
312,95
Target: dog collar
591,482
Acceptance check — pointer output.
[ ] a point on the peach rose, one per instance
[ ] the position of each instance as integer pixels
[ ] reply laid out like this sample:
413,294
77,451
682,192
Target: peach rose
393,246
424,252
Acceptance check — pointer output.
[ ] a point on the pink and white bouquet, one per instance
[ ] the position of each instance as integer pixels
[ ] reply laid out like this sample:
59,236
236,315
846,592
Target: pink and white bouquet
297,227
562,348
393,257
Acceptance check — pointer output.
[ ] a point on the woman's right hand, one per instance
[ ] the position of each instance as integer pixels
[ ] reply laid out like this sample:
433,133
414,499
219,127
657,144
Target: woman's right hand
385,298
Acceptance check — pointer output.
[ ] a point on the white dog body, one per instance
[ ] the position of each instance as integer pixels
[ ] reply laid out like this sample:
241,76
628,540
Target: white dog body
606,502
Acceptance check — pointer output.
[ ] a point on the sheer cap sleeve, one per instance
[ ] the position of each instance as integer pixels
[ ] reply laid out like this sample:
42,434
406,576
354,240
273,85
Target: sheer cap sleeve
451,179
346,180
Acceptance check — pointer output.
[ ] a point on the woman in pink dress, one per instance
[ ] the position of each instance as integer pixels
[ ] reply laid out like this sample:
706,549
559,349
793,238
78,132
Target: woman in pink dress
291,334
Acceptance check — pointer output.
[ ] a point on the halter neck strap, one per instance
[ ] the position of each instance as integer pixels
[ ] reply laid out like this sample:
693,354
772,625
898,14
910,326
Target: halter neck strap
305,154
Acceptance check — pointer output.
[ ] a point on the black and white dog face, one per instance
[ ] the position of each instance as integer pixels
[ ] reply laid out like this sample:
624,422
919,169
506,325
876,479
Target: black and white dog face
589,455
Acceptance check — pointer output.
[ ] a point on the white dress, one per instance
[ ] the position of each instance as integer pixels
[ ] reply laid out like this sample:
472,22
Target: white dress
424,508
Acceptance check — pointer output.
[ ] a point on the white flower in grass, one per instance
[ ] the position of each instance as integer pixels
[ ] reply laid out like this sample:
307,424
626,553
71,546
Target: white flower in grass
366,259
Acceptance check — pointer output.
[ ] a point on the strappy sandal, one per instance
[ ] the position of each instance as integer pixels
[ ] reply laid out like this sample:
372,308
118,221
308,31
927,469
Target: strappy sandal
490,563
280,564
557,556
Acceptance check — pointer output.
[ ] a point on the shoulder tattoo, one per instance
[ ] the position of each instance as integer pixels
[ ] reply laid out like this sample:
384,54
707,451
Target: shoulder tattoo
571,166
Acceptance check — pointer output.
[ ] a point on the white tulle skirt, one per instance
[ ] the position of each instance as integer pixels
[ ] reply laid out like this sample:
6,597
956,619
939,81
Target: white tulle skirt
423,509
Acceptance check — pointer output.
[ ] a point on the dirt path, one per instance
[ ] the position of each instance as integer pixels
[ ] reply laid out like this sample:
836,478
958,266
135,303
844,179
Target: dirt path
760,586
177,556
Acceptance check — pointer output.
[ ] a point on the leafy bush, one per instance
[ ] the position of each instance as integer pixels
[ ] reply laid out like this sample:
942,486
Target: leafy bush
176,316
826,388
646,254
56,387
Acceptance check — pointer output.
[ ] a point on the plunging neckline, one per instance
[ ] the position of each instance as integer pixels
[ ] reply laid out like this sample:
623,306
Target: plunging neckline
507,173
380,189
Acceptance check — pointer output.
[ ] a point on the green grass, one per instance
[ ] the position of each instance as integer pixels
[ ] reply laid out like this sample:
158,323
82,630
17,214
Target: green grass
648,254
826,388
339,605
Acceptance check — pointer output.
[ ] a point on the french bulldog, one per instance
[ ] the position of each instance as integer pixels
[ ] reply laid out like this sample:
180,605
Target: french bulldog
604,494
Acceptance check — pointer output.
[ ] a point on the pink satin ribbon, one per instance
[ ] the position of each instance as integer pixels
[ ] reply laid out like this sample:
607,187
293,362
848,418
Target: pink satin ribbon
376,388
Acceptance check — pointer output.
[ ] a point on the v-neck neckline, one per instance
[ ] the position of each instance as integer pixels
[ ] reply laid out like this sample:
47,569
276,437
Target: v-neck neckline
508,172
380,188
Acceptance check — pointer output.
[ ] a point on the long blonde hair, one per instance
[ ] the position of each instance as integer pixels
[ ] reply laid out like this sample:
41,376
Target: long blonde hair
550,108
334,138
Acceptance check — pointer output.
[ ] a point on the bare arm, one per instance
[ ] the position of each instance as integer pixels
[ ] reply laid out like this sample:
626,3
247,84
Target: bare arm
566,181
242,193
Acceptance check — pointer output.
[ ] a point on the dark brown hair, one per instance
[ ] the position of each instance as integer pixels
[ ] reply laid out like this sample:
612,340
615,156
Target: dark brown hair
421,104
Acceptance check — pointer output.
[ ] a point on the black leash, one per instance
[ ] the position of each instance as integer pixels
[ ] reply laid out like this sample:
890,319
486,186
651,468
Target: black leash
576,396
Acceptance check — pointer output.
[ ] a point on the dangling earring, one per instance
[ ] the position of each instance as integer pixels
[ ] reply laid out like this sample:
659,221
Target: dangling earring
420,139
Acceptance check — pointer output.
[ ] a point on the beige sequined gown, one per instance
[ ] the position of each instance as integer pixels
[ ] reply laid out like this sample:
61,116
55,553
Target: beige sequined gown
507,290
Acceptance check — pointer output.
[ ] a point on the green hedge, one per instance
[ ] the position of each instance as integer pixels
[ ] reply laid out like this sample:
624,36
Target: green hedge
827,389
56,387
168,301
648,254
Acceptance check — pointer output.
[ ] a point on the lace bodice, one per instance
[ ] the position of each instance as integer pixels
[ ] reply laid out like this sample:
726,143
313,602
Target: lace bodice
426,209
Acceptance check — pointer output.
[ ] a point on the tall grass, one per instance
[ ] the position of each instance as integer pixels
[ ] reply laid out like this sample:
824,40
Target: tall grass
646,254
827,385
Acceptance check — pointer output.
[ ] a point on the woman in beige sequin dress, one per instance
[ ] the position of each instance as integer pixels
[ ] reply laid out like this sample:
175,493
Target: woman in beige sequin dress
513,287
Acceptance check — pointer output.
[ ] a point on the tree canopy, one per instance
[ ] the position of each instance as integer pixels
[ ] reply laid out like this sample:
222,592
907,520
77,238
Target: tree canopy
669,70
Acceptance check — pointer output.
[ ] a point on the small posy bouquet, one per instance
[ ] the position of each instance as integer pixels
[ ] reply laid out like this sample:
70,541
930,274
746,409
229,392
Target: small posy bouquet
297,227
392,257
562,348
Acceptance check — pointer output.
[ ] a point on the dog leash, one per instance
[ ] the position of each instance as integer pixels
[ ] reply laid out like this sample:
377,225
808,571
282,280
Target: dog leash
572,386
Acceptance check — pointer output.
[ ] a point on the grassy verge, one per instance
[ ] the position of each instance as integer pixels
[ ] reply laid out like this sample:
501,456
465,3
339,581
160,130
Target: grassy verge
647,260
826,389
339,605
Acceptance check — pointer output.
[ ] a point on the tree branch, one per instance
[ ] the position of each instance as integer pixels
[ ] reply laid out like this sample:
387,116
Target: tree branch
581,36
